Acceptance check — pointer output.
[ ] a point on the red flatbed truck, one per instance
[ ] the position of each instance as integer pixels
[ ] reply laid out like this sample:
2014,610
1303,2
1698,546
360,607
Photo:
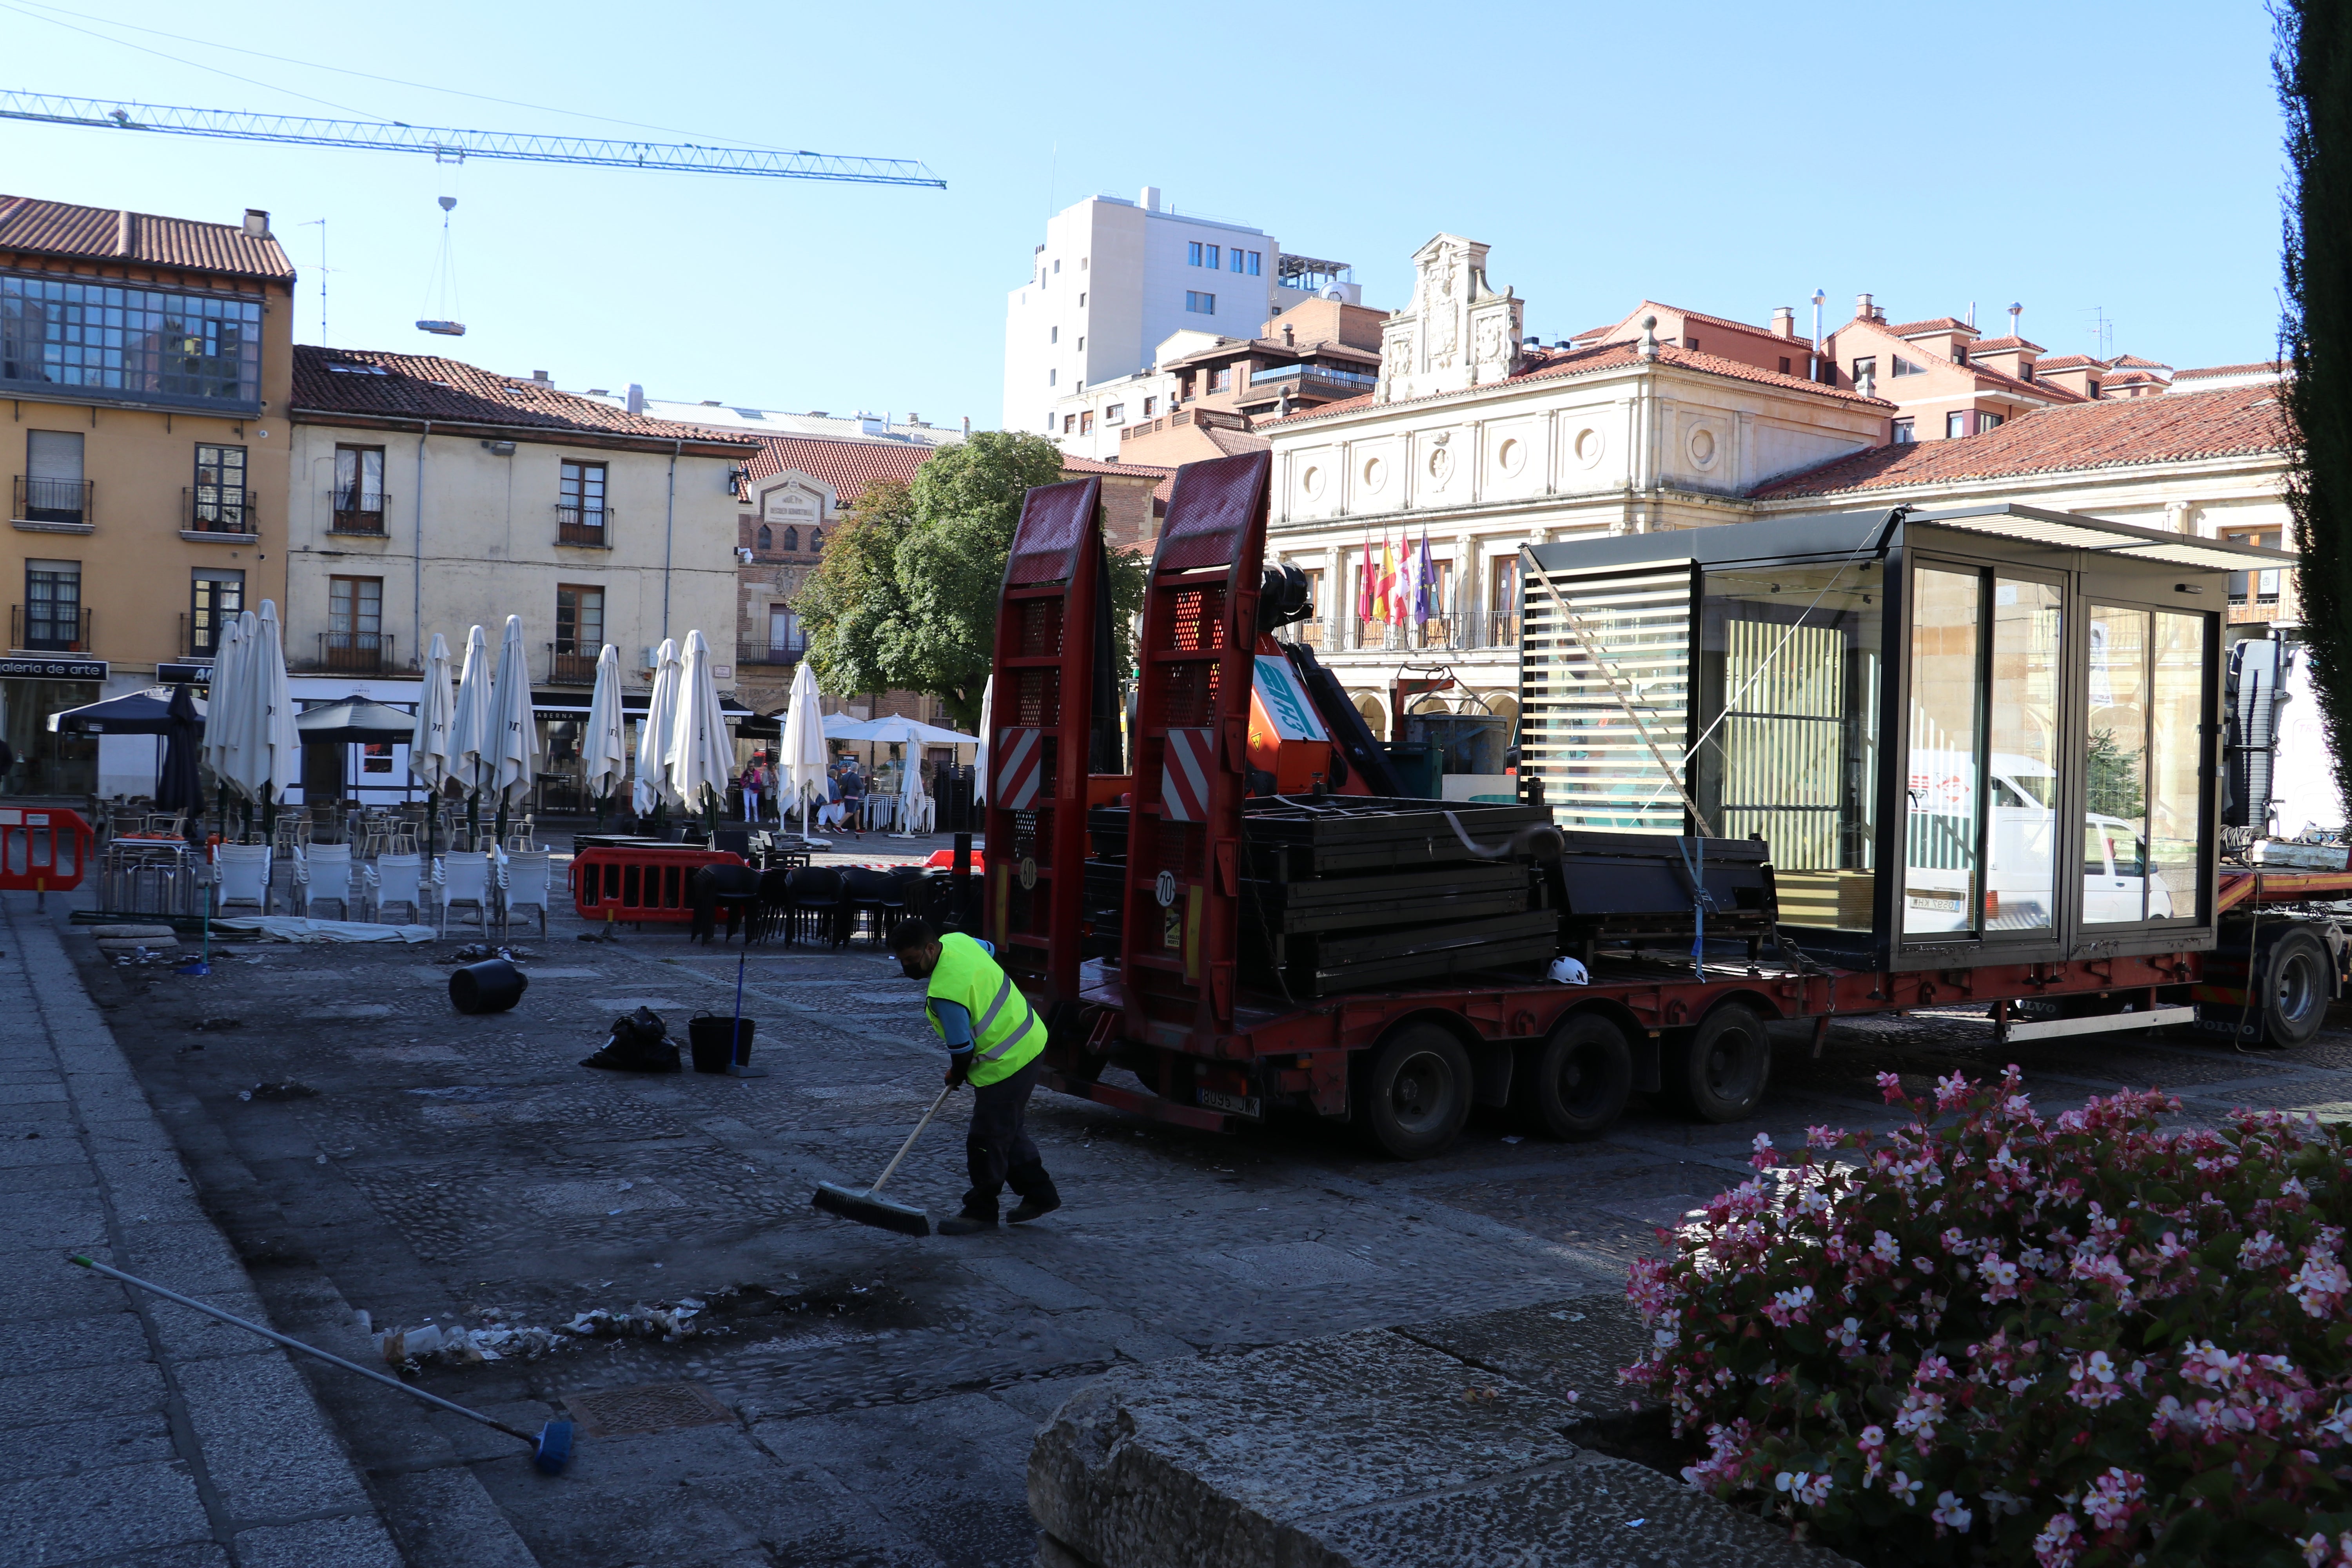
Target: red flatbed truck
1406,1063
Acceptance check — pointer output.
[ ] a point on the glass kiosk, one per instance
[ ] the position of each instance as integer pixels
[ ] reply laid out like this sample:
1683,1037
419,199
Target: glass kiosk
1983,734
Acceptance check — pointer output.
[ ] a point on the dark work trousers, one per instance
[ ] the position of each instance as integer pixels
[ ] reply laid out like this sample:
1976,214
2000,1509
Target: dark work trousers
997,1150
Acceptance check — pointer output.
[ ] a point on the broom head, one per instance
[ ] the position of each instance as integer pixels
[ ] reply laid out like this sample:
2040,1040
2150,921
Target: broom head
867,1209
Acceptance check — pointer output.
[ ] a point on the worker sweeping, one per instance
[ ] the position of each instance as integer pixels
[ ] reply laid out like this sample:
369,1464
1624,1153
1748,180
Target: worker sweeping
993,1038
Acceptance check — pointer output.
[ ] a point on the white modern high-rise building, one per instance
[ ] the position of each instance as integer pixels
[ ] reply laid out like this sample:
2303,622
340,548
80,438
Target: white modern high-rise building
1114,278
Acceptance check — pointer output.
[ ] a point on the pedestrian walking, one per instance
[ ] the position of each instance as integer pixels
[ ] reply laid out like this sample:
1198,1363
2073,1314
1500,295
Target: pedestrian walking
853,795
995,1040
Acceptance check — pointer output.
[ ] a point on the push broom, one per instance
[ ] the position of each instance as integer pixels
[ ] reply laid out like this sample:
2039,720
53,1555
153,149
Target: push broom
864,1207
550,1449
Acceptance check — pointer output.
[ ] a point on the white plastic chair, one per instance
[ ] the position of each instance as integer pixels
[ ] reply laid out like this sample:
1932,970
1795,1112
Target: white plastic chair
241,873
323,872
523,877
396,879
462,878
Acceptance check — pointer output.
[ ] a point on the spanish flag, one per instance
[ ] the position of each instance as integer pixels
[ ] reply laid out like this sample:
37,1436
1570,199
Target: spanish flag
1392,609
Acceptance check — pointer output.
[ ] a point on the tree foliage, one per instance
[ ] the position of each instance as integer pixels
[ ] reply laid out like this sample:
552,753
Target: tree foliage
906,596
2313,63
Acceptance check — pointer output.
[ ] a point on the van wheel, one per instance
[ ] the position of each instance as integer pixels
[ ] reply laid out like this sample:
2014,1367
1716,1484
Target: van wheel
1416,1092
1720,1074
2294,994
1578,1079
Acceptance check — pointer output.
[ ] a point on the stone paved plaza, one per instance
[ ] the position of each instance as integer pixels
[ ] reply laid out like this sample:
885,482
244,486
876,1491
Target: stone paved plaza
872,1398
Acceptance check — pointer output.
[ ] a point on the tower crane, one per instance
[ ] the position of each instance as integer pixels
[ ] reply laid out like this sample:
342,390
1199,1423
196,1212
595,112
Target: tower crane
451,146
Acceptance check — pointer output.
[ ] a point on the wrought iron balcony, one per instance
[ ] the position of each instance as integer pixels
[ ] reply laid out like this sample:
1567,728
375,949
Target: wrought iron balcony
355,653
358,511
582,525
49,629
66,505
567,665
200,637
750,652
218,509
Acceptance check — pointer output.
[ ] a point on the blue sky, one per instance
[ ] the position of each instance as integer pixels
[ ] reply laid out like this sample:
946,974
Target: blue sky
2084,159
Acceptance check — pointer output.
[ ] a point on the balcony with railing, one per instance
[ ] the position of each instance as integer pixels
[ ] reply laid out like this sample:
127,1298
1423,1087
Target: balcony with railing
588,527
1350,381
357,510
53,505
355,653
49,629
225,513
200,635
784,653
572,664
1481,630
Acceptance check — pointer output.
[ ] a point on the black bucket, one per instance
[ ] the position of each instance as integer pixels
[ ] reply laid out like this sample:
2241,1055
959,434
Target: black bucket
492,985
707,1035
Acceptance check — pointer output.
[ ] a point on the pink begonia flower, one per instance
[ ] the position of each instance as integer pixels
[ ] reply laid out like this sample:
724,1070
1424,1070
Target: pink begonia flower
1902,1488
2114,1498
1933,1369
1887,1248
1950,1510
2059,1543
1891,1086
2319,1285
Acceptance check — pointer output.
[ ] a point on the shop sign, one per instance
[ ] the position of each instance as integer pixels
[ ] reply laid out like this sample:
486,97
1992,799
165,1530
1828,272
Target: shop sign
52,670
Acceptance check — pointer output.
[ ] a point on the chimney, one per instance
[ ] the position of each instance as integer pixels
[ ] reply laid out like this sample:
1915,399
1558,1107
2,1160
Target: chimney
1784,321
1863,310
1817,297
2015,310
541,377
1289,338
257,222
636,401
1150,201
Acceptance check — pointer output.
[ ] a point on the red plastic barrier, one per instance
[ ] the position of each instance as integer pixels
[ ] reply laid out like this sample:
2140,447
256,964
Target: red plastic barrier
45,850
639,884
944,860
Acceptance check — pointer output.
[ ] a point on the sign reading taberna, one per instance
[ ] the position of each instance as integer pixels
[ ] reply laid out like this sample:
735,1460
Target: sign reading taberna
52,670
1292,716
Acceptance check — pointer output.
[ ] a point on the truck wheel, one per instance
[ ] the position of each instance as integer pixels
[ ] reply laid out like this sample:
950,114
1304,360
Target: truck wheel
1578,1079
1417,1093
1719,1075
2294,999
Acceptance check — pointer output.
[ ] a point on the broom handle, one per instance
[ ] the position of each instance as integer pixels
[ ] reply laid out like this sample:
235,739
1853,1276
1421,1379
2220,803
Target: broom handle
910,1144
298,1344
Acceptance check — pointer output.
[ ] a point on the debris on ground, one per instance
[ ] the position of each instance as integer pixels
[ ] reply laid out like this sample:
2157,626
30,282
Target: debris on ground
474,952
290,1089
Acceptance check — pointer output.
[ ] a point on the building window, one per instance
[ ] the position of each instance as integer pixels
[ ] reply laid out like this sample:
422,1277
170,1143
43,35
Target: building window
1904,367
1082,300
1987,421
1192,252
53,618
1149,405
816,540
1906,432
1956,424
217,502
1255,261
52,490
1114,414
353,640
2254,587
1784,364
358,498
2024,371
1213,260
1069,423
213,598
1087,422
579,634
1082,345
767,540
792,538
786,636
1049,378
1221,379
1691,343
1057,264
580,512
2095,388
1199,304
1053,334
143,343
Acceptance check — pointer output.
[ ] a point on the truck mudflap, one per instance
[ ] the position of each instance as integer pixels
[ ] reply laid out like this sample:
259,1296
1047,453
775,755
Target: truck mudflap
1135,1103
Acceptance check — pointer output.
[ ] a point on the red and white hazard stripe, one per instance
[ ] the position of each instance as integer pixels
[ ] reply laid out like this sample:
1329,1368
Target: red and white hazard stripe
1184,775
1020,768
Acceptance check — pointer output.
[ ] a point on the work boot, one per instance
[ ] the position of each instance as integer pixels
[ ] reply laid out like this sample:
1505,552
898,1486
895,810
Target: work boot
1030,1208
1038,1195
967,1224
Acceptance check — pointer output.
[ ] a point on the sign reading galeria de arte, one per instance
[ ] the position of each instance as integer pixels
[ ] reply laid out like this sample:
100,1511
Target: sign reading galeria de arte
52,670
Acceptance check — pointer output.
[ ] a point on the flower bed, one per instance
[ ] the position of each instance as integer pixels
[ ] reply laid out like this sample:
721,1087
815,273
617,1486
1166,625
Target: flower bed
1990,1338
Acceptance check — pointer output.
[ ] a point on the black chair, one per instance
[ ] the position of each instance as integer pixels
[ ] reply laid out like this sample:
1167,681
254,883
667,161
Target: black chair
817,893
871,892
737,840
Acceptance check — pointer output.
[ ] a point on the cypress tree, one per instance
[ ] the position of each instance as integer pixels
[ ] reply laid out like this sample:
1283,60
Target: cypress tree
2313,64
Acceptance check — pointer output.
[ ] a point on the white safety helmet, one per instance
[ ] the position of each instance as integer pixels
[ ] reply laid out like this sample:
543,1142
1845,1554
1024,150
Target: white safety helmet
1568,972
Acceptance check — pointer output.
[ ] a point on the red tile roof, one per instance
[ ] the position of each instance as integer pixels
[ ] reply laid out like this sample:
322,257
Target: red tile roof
2132,362
2235,421
1564,363
2132,378
1996,345
1933,324
2256,368
1160,492
849,466
373,384
2069,362
112,233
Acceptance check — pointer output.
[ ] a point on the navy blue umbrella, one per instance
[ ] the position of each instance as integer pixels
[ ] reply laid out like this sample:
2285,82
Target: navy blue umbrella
178,788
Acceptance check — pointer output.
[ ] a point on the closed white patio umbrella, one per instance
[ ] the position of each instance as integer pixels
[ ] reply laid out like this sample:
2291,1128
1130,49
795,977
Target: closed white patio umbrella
699,756
268,760
469,726
911,794
653,733
603,749
980,759
428,745
222,713
513,751
803,773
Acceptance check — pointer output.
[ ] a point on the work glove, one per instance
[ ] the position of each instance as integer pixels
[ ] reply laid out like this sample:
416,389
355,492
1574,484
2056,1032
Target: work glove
959,1069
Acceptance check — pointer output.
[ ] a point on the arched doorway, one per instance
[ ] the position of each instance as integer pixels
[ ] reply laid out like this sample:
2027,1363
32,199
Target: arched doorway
1376,716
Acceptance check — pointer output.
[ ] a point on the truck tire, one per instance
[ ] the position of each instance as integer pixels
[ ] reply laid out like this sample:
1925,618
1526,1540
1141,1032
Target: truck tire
1416,1092
1719,1074
2295,989
1577,1080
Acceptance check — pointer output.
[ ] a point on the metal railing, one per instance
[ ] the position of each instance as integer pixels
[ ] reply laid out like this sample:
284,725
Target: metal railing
567,665
69,502
358,511
770,652
48,629
218,508
355,653
583,525
1354,378
1351,634
202,639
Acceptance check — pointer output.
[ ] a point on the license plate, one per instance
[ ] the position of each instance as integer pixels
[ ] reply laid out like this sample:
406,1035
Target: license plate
1239,1104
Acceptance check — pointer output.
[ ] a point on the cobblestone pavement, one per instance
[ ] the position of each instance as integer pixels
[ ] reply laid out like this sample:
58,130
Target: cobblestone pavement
879,1392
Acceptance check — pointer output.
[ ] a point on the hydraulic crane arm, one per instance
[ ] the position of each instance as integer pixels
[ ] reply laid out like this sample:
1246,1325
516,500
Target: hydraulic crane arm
456,146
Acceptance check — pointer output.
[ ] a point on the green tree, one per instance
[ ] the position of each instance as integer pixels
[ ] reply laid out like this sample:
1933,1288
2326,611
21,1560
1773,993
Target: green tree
907,595
2313,62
